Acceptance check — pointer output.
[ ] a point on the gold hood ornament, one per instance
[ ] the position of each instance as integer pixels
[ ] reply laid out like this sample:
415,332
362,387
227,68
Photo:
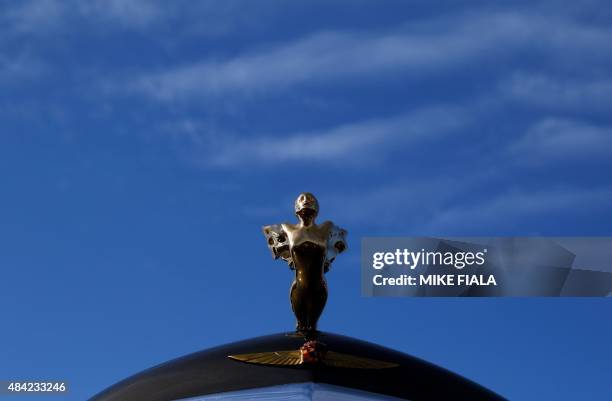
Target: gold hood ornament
309,249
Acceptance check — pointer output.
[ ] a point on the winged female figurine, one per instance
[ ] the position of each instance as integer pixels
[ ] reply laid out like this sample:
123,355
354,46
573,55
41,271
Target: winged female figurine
309,249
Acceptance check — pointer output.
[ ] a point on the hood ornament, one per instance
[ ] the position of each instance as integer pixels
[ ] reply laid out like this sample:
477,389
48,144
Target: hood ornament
309,249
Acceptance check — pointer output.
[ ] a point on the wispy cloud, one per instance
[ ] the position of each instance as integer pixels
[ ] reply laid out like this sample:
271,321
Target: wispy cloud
31,16
563,139
14,70
442,205
475,204
138,13
409,203
322,56
345,143
184,18
559,93
44,16
423,48
517,207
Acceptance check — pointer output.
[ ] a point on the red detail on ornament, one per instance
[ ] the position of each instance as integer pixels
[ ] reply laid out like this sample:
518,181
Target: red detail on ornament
312,352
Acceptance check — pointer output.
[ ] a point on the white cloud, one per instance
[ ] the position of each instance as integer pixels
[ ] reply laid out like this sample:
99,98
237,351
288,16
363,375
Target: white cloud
126,12
423,48
461,203
559,93
179,18
407,204
31,16
44,16
563,139
517,208
359,142
318,57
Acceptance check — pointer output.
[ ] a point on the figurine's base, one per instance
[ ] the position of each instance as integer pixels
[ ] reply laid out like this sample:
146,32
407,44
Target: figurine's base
306,335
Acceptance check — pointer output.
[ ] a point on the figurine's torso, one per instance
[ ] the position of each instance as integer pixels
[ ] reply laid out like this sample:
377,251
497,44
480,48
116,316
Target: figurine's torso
317,234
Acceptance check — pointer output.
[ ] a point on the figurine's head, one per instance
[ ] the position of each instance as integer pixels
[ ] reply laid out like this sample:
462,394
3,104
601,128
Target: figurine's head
306,205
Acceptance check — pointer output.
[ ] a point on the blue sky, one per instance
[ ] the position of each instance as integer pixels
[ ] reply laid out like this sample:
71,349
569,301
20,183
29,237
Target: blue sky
144,143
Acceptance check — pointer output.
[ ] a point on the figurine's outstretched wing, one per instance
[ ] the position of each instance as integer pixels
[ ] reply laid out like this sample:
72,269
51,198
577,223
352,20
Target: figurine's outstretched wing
336,244
340,360
278,242
270,358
